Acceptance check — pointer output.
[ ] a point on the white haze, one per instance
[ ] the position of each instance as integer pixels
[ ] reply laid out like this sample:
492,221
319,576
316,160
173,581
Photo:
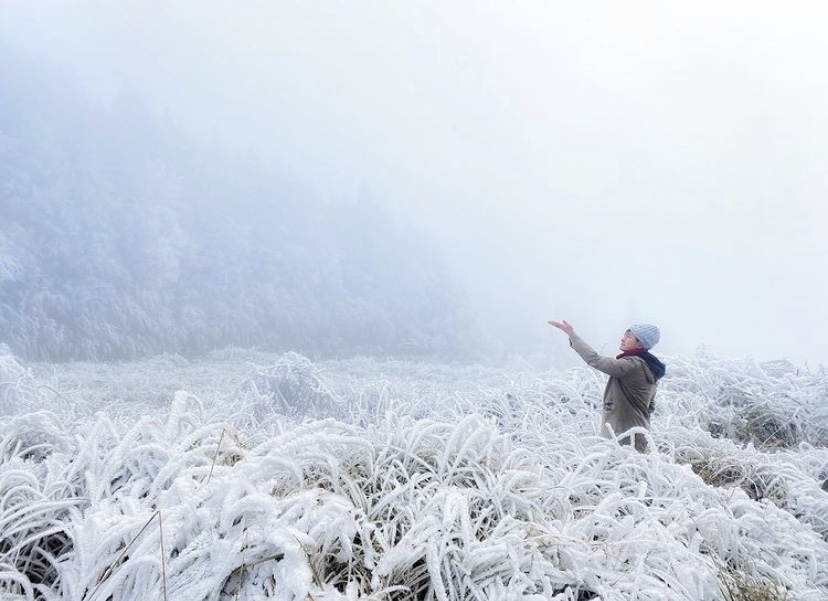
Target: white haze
594,161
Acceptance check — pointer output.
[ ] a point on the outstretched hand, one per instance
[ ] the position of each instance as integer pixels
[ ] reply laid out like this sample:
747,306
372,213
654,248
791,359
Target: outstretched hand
563,326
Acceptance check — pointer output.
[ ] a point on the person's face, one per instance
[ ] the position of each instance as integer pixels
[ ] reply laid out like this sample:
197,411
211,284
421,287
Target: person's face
630,342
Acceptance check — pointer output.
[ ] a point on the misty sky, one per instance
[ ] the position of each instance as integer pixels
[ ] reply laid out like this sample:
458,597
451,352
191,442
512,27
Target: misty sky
594,161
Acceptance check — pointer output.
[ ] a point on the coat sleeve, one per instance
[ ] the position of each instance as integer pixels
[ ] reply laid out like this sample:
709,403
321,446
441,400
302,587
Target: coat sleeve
608,365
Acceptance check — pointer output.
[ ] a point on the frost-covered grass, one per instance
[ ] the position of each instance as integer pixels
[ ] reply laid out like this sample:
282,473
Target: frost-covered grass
250,476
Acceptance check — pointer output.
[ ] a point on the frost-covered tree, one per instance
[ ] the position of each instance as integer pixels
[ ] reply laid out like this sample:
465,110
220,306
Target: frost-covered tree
123,237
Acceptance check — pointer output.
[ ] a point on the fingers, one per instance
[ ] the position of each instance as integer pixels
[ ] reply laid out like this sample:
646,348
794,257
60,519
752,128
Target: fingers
562,325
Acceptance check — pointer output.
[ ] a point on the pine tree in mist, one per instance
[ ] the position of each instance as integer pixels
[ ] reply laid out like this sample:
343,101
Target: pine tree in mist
122,237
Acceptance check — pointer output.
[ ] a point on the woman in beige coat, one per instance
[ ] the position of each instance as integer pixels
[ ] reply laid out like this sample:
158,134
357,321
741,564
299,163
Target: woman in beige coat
633,378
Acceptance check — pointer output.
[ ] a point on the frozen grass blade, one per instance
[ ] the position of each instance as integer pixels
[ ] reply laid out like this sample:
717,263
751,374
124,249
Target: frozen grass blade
394,480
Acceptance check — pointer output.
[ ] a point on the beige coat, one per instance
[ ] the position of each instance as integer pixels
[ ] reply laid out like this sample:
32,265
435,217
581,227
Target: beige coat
630,391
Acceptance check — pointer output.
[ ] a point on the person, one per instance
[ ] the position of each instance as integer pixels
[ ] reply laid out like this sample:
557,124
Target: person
633,379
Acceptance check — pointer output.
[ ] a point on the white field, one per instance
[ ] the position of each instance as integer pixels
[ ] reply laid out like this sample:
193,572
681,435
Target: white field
253,476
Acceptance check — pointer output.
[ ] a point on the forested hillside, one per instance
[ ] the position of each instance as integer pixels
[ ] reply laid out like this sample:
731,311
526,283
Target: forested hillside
120,236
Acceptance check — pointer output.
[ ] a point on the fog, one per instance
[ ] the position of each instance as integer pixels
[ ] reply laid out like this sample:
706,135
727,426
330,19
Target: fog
598,162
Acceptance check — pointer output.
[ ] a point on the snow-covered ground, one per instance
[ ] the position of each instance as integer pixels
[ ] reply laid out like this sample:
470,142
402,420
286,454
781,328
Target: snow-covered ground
252,476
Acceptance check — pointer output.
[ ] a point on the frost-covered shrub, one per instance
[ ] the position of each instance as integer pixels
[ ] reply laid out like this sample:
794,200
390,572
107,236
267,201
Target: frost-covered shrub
772,405
792,480
13,382
36,500
33,437
292,387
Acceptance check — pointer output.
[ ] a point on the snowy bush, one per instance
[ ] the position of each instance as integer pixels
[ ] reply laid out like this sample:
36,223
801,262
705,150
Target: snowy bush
16,385
292,387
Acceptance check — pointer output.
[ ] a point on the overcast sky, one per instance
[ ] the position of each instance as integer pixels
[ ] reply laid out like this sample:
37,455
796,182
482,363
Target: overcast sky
599,162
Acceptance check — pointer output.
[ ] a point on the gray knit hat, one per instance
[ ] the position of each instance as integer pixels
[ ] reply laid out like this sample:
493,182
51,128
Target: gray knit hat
647,334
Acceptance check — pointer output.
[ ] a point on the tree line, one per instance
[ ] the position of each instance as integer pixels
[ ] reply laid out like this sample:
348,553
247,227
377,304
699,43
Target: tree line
122,237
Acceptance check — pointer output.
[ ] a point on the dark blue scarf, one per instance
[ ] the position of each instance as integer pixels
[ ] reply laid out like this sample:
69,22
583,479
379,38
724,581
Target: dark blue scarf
656,366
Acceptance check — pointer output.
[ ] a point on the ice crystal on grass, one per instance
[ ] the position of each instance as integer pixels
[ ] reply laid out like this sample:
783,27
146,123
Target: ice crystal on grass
253,477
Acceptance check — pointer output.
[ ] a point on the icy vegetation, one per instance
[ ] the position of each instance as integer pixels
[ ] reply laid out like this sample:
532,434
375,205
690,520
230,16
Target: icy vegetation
255,476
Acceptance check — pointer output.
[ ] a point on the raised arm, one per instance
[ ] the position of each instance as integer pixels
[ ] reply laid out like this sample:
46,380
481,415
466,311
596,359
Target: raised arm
608,365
